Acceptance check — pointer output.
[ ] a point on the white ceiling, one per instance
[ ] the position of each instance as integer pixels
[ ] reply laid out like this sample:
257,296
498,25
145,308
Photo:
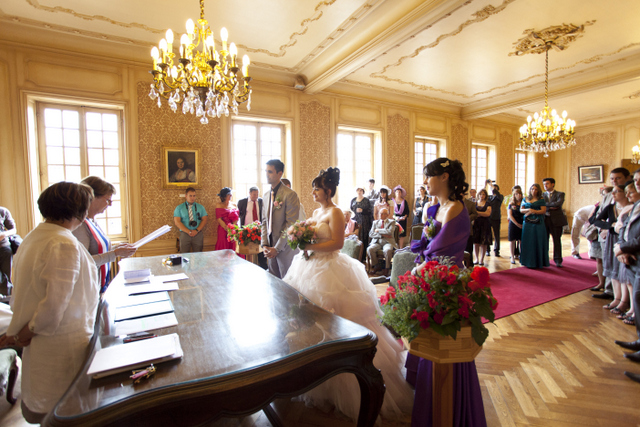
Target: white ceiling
455,52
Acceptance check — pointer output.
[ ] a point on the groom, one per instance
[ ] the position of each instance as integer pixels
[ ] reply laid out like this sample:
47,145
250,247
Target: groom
281,209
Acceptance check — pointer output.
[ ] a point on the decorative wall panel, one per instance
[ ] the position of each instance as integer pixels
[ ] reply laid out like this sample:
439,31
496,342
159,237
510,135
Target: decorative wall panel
353,114
484,133
460,149
506,163
398,154
591,149
315,147
82,79
430,125
542,169
160,127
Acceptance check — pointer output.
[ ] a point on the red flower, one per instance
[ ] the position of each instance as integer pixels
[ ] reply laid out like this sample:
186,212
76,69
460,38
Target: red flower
423,318
439,317
452,279
494,303
384,299
432,301
481,275
412,289
414,315
464,311
391,291
474,286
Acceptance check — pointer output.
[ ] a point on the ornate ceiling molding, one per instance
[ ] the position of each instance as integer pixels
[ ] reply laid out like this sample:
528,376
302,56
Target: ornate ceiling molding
36,5
402,92
480,16
557,36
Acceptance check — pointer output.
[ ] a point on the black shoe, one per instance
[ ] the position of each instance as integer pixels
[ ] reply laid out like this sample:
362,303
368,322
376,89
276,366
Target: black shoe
497,254
577,256
597,289
488,253
604,295
559,265
632,345
634,357
632,376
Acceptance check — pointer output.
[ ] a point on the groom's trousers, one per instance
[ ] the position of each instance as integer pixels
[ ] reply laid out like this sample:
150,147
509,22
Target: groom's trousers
279,265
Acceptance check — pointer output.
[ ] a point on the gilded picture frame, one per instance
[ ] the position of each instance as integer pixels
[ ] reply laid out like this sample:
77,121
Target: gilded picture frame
591,174
181,167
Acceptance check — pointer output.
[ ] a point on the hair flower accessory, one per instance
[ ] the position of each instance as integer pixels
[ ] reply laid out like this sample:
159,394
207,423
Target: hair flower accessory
445,164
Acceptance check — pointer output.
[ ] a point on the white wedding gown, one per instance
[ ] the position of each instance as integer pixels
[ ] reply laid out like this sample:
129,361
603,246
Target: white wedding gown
339,283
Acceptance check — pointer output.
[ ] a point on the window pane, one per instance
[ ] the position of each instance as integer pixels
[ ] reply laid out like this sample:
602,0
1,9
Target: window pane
95,156
110,122
71,138
96,171
115,226
110,139
52,118
70,119
94,121
73,173
55,173
72,156
55,155
94,139
53,137
111,157
112,174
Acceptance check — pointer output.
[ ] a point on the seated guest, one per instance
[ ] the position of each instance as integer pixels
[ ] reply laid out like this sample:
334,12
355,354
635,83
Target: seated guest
94,238
382,202
351,228
472,194
55,299
382,237
535,243
7,229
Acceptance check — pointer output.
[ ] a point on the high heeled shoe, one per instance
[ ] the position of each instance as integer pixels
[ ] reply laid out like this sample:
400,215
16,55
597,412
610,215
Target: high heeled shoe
611,305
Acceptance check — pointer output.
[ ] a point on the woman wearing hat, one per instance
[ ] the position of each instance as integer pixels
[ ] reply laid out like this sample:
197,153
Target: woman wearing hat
227,214
401,212
361,207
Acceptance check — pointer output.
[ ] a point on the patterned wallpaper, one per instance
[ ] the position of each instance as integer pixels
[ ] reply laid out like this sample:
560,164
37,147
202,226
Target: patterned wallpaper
398,148
315,147
590,149
460,148
542,168
158,128
506,161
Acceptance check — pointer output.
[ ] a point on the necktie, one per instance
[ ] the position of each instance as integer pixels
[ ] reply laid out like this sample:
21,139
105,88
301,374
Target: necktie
255,212
190,213
270,212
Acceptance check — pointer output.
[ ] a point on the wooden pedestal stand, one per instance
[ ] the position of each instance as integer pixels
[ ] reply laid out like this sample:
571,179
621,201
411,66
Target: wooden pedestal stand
250,250
443,352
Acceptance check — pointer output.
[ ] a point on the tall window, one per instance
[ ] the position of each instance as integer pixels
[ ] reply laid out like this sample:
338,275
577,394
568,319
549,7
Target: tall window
521,170
479,166
426,151
75,142
355,161
254,144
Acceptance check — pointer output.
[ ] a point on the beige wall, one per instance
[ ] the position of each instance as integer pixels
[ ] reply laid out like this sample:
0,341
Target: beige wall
28,72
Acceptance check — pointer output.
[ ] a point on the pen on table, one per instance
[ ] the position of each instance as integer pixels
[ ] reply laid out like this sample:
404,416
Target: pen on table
132,339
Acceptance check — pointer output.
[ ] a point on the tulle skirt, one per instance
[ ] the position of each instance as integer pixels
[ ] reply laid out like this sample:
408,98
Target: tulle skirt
338,283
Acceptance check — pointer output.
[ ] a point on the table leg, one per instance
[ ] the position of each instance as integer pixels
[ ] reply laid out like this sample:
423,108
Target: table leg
272,416
372,391
442,394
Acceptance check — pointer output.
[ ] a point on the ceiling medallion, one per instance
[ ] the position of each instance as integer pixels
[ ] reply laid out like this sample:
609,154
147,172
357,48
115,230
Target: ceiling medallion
203,80
547,131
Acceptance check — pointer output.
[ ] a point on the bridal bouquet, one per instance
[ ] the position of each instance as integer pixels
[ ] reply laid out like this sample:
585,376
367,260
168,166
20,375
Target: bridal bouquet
442,297
250,233
300,235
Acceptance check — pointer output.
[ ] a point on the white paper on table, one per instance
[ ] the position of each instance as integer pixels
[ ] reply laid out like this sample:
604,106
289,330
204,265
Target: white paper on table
141,299
151,287
127,327
143,310
171,277
124,357
152,236
136,276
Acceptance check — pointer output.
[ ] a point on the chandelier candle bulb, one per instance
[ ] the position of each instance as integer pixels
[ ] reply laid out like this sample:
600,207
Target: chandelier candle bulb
224,35
190,27
233,50
169,37
155,54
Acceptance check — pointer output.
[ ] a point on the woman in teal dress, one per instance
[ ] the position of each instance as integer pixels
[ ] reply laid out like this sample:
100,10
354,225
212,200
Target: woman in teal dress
534,252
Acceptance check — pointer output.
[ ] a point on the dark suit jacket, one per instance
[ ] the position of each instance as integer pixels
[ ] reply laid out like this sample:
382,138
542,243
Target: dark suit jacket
632,244
495,201
557,217
242,207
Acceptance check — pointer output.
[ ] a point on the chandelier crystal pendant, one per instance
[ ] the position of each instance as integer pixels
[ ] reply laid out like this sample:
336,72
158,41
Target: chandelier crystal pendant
203,80
547,131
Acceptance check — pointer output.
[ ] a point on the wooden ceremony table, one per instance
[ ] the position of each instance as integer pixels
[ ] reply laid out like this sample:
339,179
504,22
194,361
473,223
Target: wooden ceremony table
248,338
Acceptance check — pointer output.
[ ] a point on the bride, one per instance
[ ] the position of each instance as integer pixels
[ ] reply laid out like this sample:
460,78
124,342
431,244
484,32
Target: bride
339,283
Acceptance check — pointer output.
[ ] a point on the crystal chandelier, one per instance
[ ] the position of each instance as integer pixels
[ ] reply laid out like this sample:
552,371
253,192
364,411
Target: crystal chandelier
635,154
203,80
547,131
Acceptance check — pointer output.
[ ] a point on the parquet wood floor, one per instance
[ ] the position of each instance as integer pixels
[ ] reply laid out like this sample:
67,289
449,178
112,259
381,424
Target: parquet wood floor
551,365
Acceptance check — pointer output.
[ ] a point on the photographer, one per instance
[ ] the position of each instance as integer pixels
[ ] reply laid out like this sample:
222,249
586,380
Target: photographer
190,217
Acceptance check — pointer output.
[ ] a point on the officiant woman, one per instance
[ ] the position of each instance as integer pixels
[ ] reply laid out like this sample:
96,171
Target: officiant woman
94,238
55,299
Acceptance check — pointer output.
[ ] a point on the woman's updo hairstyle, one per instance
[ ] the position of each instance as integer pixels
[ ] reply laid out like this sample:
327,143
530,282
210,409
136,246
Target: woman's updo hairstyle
328,180
457,177
224,193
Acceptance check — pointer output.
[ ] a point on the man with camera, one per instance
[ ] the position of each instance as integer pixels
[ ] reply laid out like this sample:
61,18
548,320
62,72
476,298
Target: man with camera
190,217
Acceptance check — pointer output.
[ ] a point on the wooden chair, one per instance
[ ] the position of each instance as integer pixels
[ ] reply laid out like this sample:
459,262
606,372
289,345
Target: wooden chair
396,237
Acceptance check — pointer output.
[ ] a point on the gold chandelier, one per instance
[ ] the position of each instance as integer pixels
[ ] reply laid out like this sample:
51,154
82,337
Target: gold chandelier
635,153
203,80
547,131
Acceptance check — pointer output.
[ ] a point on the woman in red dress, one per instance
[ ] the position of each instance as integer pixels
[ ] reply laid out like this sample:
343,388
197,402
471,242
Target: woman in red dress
227,214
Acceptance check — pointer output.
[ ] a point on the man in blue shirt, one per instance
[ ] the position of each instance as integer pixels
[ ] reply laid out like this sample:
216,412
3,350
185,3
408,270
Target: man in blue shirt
190,217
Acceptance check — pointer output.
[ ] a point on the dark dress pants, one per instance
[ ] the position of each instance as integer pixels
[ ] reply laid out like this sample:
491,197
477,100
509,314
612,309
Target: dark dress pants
636,299
556,233
495,226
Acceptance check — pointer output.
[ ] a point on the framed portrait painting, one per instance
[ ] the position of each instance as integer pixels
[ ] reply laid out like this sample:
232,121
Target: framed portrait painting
591,174
182,167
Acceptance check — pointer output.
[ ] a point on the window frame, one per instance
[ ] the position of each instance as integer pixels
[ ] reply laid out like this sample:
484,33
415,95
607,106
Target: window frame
491,164
441,151
375,162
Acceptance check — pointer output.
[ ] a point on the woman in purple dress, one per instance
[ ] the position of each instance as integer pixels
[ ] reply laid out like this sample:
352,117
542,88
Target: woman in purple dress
445,179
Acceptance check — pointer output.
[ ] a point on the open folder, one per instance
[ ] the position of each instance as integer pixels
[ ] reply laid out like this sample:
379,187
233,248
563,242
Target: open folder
138,354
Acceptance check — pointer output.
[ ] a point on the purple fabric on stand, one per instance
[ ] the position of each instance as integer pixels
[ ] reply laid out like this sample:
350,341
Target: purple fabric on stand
468,409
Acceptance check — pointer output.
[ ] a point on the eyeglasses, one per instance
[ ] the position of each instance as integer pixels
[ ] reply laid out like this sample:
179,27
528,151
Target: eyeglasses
109,202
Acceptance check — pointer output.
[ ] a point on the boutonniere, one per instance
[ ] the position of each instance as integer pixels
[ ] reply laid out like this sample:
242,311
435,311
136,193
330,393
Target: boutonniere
430,228
277,203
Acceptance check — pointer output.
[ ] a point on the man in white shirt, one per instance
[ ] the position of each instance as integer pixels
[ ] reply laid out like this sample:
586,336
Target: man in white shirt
251,211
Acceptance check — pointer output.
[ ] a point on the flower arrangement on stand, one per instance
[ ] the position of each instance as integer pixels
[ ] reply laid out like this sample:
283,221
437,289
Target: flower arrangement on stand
248,235
440,297
299,235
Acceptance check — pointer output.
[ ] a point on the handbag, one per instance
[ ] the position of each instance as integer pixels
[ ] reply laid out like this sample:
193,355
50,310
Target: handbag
531,220
591,233
15,241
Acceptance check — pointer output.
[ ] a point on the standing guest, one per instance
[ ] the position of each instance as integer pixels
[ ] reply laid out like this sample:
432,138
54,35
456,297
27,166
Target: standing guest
303,214
382,237
190,218
250,210
595,249
535,242
472,195
361,206
401,212
579,218
372,194
227,214
55,299
351,228
515,221
281,210
418,206
93,238
382,202
495,200
625,275
554,217
482,227
7,229
473,214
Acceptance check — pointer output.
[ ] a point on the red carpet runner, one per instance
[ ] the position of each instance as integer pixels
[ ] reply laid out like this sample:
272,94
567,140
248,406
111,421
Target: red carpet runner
521,288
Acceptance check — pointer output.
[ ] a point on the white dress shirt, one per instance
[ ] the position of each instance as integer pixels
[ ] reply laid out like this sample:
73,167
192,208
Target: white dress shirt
248,217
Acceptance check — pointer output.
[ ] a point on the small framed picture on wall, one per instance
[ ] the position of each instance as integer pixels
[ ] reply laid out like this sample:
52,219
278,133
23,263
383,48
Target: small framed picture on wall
591,174
181,167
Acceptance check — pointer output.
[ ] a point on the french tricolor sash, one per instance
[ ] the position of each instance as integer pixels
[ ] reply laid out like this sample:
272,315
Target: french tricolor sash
103,247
